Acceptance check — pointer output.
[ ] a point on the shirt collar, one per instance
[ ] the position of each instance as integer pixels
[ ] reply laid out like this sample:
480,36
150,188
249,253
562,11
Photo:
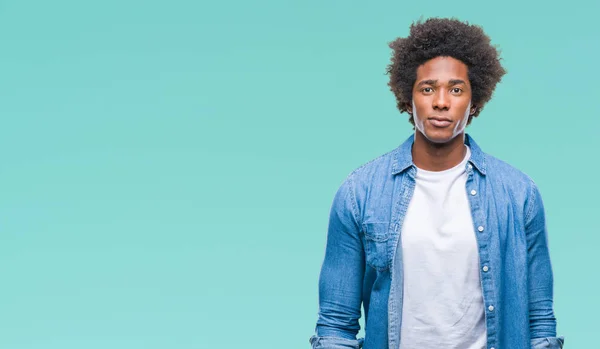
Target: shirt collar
402,156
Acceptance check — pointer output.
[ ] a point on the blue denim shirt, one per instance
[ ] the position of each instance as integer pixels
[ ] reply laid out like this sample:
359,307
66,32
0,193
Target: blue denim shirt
363,258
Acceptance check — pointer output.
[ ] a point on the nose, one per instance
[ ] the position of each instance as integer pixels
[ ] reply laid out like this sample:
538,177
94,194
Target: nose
441,100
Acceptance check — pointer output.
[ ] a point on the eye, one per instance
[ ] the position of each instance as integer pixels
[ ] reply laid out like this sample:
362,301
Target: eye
456,90
427,90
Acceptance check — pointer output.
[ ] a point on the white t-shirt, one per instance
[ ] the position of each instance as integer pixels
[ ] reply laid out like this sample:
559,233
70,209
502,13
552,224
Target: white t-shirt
443,303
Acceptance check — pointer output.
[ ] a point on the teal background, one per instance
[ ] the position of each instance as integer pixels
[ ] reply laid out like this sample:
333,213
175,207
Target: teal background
167,168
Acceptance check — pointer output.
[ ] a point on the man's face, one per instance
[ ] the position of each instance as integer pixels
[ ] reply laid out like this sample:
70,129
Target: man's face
441,102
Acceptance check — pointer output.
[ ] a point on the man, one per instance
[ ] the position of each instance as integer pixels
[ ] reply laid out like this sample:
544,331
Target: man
443,245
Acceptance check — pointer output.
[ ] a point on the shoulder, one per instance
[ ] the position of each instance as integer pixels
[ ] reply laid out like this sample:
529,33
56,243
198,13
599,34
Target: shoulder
353,191
502,171
517,184
373,171
369,188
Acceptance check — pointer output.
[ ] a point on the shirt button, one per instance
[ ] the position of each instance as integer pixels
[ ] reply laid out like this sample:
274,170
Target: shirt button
480,228
491,308
473,192
470,166
485,268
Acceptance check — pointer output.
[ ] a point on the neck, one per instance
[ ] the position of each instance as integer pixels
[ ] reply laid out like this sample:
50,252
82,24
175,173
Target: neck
431,156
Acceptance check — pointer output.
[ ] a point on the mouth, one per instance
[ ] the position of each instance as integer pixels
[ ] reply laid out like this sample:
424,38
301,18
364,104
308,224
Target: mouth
439,121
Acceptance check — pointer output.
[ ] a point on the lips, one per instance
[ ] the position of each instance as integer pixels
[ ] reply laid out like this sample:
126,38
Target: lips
439,121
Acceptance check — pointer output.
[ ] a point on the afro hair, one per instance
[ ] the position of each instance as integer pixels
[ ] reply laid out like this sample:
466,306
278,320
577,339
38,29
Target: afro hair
446,37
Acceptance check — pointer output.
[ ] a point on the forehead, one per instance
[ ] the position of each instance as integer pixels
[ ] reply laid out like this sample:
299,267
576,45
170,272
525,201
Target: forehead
443,69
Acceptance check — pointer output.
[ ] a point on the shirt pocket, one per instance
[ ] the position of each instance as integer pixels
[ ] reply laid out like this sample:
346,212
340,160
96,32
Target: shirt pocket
377,240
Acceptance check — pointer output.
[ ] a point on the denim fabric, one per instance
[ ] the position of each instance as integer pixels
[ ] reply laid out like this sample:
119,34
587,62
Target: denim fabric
363,257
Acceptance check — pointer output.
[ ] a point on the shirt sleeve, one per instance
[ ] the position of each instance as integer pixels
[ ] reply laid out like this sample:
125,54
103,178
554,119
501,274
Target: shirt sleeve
341,276
542,322
548,343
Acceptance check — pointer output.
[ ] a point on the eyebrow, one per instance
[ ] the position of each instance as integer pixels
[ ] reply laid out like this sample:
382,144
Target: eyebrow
452,82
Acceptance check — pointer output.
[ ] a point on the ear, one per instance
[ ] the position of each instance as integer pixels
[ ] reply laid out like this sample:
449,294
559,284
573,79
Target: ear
409,108
473,110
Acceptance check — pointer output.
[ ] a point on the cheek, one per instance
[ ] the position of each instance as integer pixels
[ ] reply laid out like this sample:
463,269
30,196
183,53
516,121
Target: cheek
463,104
419,106
416,111
467,112
419,122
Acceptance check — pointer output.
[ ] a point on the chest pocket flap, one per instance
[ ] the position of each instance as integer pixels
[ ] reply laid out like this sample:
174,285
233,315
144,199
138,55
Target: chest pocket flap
377,241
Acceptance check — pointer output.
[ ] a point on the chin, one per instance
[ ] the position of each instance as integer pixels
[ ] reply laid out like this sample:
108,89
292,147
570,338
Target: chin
439,136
